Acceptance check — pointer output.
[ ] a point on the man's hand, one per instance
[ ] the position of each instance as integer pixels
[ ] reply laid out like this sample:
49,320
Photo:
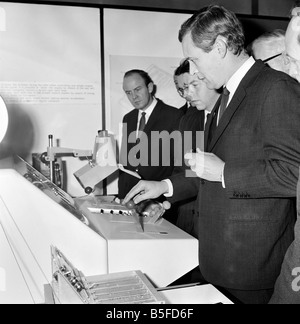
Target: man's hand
206,165
155,211
146,190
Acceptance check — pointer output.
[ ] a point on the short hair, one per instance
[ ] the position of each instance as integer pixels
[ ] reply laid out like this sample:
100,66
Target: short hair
296,5
184,67
267,38
210,22
144,75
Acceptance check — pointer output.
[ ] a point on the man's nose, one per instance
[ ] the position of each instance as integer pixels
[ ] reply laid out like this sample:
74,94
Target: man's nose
189,91
134,95
188,97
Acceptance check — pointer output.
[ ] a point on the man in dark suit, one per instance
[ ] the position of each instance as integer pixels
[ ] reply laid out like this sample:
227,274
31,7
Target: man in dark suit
292,45
141,150
182,78
287,287
200,102
269,47
249,171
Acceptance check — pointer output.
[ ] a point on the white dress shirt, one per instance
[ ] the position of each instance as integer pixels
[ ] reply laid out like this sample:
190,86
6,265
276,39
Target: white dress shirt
232,86
148,112
238,76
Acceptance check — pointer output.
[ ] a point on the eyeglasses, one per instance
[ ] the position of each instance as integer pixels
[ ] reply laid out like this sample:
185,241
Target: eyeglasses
182,91
287,59
193,84
272,58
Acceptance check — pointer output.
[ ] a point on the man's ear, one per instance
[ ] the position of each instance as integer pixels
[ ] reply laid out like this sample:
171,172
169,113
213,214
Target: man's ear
296,11
295,22
151,87
221,46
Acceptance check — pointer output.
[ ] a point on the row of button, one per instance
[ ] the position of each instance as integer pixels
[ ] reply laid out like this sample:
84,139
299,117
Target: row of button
241,195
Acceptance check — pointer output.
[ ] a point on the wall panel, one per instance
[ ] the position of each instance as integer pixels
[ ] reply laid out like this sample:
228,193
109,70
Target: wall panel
50,79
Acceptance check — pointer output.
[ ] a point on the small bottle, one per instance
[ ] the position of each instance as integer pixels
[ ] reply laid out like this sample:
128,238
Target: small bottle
104,153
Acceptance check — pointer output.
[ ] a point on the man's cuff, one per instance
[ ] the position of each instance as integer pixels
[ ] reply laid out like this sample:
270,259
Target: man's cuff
170,188
223,179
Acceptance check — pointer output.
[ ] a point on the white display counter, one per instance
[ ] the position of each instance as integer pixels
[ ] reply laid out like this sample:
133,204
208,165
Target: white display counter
34,218
203,294
163,252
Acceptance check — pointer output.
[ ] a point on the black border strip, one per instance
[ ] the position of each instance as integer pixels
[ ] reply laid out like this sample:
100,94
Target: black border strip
102,58
254,15
103,84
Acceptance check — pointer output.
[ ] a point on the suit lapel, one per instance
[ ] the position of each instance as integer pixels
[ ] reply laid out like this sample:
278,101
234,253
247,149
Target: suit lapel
208,123
153,118
132,125
227,116
237,99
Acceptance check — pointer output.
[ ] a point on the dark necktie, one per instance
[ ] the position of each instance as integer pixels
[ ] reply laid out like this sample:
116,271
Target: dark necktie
224,101
221,108
142,125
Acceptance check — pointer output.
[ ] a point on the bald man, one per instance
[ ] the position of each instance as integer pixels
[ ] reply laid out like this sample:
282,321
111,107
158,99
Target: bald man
287,287
296,9
268,47
292,43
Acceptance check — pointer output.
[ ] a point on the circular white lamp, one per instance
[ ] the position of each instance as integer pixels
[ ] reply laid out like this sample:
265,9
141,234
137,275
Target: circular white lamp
3,119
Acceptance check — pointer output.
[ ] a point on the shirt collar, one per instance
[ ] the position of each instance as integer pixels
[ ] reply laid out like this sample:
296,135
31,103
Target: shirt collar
238,76
150,109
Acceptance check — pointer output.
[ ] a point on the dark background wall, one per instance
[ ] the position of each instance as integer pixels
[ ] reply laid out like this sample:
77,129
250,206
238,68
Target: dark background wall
275,8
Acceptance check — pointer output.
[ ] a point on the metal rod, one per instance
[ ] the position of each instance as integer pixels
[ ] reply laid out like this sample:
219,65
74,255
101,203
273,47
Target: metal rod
52,163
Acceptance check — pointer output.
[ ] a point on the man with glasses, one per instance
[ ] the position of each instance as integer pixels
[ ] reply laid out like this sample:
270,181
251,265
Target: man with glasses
182,79
249,170
200,102
287,287
292,41
269,48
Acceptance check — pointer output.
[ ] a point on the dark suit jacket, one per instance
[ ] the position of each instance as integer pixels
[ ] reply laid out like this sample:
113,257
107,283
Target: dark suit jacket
287,287
245,229
184,108
156,157
192,129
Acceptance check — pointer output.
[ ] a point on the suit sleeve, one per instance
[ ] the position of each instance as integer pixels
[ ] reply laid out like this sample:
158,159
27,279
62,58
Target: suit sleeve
178,117
286,290
276,175
184,187
123,149
122,160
